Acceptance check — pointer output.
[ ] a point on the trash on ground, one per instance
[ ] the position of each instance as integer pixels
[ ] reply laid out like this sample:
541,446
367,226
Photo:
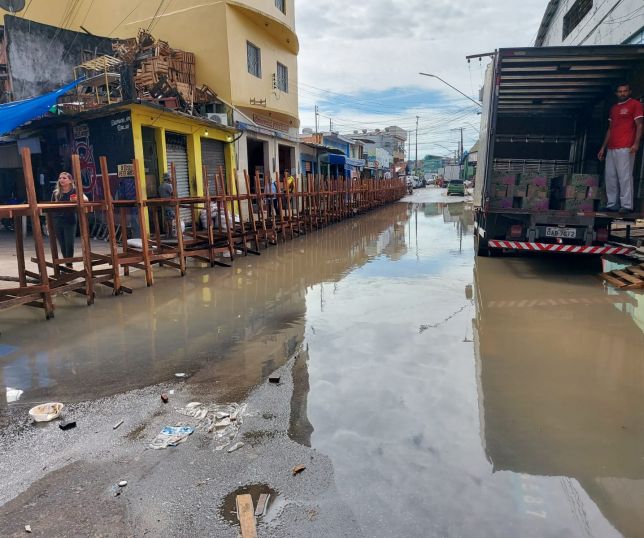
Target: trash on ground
181,375
274,378
116,490
171,392
262,503
246,516
46,412
236,446
68,425
171,436
27,528
222,420
164,397
117,425
298,469
122,483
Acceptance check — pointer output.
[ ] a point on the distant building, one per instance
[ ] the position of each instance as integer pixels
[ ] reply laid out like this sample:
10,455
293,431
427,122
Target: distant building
391,139
591,22
344,156
431,164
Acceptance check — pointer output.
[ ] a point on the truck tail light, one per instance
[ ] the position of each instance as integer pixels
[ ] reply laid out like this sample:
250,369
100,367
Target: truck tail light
516,231
602,234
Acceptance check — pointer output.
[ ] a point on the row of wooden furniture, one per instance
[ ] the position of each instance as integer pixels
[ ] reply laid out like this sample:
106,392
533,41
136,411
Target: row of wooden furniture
240,220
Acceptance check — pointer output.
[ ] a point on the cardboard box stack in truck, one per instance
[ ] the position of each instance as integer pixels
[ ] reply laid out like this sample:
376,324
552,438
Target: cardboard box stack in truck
540,184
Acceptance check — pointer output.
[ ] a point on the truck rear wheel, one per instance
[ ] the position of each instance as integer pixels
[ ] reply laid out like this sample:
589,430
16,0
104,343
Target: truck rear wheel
480,245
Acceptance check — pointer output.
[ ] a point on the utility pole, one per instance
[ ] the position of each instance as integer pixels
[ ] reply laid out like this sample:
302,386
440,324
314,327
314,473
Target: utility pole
330,125
462,150
416,157
409,149
316,119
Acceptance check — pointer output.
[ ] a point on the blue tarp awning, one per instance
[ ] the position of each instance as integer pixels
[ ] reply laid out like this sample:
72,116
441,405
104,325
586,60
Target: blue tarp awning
332,158
13,115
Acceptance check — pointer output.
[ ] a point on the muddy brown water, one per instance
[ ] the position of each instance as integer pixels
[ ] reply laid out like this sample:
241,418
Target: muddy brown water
454,396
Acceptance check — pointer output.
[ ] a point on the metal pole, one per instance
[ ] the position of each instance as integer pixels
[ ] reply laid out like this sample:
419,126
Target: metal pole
416,157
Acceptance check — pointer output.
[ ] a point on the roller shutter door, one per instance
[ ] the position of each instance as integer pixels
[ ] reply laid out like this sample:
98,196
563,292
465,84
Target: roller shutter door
177,152
212,156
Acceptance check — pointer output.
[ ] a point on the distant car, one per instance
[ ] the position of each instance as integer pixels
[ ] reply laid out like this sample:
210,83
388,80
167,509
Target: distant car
456,186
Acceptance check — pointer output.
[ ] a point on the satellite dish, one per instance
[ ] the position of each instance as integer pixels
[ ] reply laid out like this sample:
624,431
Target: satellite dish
12,5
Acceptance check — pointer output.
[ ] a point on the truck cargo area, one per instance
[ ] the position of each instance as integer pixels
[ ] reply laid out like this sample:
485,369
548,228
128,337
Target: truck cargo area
545,115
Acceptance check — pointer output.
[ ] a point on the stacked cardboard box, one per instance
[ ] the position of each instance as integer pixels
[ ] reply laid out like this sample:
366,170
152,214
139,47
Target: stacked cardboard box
533,189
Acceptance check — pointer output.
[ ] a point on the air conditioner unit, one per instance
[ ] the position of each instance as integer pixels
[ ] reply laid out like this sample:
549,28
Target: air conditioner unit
218,117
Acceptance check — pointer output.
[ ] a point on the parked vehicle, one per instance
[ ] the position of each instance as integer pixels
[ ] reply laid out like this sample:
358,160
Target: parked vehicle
456,186
544,118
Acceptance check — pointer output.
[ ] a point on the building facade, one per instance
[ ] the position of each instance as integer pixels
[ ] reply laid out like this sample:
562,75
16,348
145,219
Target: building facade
592,22
245,50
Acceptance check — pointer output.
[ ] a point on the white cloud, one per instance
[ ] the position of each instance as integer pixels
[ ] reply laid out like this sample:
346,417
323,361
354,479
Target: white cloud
355,49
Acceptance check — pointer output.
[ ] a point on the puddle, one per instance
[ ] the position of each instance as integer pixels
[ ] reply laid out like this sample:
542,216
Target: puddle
228,509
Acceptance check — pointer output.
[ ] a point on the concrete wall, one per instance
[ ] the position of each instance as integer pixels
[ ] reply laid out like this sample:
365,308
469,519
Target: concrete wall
612,22
42,57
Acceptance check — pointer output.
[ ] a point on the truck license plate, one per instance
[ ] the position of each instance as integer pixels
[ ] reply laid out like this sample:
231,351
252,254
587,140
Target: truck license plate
569,233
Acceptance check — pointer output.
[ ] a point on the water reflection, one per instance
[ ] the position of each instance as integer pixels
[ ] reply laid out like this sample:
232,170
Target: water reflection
527,422
230,326
561,373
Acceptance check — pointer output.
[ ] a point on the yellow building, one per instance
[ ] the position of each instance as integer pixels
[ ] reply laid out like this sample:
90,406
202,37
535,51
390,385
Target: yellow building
246,51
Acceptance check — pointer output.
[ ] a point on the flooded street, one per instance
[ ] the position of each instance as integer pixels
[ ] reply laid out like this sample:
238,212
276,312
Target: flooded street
445,395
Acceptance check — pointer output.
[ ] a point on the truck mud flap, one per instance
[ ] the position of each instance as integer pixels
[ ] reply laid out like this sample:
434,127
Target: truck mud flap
564,249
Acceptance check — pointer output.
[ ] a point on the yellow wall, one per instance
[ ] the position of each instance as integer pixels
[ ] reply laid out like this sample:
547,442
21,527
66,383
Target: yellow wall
215,30
163,122
245,86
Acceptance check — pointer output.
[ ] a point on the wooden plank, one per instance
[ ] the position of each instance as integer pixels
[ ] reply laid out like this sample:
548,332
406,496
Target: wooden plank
628,277
612,280
636,271
262,502
246,516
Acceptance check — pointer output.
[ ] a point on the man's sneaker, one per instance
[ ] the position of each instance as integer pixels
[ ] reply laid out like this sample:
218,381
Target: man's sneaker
609,209
625,210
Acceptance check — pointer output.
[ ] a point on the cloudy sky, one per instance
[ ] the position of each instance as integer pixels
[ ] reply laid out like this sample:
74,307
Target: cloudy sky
360,61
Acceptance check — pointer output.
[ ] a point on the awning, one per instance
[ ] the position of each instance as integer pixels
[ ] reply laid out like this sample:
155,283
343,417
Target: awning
13,115
358,163
330,158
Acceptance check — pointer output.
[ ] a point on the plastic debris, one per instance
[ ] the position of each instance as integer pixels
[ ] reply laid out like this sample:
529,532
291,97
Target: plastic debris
28,528
274,378
164,397
171,436
46,412
116,491
223,421
236,446
122,483
181,375
67,425
298,469
116,426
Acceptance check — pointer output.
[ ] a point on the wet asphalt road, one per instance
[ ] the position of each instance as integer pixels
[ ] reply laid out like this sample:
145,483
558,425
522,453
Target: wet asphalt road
427,393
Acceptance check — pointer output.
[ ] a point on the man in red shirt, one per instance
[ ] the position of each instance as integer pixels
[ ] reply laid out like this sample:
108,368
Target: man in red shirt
622,140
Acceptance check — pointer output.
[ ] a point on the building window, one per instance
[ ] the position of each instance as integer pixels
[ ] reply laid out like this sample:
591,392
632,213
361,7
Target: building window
282,77
254,56
281,5
575,15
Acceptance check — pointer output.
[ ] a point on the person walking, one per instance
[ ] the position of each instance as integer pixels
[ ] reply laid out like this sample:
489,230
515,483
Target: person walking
166,190
621,143
65,221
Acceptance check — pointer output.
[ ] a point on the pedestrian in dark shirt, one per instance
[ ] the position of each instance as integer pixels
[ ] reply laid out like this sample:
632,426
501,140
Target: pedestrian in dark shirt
166,190
65,221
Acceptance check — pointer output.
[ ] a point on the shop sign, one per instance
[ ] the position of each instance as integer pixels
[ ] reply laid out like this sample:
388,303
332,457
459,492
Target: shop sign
126,170
270,124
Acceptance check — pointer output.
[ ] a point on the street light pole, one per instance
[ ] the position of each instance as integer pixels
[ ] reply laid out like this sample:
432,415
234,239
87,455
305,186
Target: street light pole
453,88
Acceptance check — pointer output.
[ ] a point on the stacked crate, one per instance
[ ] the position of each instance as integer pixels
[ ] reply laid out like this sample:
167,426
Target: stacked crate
534,191
577,192
159,70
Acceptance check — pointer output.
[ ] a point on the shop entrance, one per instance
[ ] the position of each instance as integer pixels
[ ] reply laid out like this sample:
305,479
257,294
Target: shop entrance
257,161
286,156
176,148
150,162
